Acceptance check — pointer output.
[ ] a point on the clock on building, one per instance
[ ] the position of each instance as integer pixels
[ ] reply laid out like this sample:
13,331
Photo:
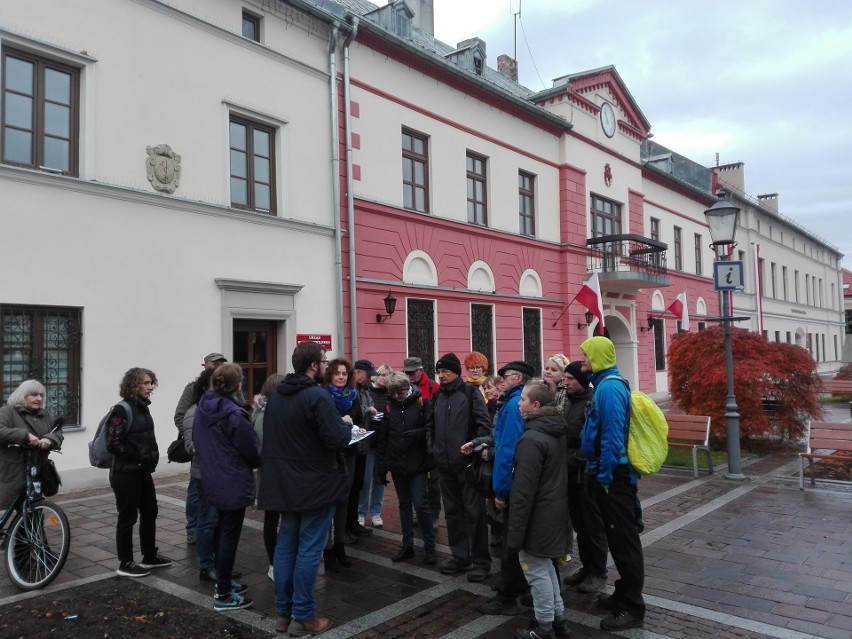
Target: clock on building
608,119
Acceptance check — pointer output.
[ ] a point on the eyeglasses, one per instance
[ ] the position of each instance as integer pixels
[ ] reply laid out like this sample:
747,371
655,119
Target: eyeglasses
475,367
323,361
509,374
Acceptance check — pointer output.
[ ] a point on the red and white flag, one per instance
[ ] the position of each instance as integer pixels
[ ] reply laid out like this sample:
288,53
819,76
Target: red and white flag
590,297
679,309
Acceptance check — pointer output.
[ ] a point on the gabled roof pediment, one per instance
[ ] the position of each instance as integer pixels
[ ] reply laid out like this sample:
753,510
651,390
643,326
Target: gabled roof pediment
580,87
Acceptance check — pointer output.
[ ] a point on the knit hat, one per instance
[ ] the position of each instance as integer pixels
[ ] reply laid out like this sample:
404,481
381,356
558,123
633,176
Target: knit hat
449,362
575,370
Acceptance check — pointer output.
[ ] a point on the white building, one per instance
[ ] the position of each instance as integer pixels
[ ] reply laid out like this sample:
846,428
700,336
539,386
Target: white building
115,256
793,283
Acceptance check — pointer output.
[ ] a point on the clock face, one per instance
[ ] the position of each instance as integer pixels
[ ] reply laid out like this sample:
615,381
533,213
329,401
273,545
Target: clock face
607,119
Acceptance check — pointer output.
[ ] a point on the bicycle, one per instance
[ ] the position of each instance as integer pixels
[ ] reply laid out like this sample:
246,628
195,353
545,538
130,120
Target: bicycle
38,538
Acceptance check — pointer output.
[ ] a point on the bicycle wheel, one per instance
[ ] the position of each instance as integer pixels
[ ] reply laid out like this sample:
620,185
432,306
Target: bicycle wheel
37,545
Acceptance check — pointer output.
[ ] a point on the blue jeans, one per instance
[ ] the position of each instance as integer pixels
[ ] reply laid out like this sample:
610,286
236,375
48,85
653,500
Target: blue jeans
411,489
192,507
301,539
205,527
372,492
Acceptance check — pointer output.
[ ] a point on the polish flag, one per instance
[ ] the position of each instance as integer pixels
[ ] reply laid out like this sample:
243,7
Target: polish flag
590,297
679,309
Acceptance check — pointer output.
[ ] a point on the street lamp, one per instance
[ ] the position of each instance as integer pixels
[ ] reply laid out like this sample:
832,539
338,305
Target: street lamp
722,221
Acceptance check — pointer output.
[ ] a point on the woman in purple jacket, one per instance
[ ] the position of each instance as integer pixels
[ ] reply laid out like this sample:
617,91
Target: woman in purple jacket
227,450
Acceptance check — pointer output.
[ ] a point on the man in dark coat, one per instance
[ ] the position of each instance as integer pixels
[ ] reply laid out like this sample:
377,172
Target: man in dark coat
302,477
457,414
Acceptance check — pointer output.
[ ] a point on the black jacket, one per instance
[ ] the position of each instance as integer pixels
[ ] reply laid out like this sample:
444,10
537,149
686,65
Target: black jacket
300,469
401,447
538,501
574,414
134,445
456,414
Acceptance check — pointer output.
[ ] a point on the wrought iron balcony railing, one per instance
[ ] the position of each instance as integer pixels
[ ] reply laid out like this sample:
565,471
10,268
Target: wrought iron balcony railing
627,253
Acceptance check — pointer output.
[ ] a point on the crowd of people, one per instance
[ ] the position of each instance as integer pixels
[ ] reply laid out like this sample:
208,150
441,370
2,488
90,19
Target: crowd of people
318,446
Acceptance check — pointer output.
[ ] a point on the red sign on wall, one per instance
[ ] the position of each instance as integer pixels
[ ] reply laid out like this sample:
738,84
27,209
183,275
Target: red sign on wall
322,340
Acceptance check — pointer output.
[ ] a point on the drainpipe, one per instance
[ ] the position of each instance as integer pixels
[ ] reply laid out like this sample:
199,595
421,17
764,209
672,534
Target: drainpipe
335,183
350,196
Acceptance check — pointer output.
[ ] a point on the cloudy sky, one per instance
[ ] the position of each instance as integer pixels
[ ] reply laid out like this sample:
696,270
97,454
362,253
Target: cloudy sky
764,82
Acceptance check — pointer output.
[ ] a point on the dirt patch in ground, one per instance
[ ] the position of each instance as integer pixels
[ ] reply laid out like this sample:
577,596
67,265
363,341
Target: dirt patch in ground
120,608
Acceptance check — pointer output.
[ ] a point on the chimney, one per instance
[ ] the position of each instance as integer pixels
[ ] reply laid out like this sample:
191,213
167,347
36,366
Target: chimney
507,66
769,201
424,14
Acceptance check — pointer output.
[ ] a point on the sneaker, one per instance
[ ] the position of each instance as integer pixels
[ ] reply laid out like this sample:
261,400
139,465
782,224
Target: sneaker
361,520
592,583
237,588
575,578
231,601
378,522
207,574
454,566
131,569
560,628
157,561
534,631
361,531
271,574
310,627
500,605
478,574
620,620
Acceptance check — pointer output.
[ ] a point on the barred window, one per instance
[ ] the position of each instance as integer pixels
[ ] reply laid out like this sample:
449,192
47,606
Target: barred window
43,343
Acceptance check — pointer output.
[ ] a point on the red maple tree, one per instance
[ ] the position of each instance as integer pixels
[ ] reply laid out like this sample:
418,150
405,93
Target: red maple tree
781,377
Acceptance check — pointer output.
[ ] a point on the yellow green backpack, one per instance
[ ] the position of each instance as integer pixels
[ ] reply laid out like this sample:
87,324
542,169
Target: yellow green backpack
647,438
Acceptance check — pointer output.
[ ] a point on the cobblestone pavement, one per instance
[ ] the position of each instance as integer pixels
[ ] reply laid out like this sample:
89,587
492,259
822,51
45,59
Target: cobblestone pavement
723,559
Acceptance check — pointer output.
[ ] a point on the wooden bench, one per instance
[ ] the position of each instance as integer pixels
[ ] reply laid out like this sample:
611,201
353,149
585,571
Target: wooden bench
691,431
837,386
825,436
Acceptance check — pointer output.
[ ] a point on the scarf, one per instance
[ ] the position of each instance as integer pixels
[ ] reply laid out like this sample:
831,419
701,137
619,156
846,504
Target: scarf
343,397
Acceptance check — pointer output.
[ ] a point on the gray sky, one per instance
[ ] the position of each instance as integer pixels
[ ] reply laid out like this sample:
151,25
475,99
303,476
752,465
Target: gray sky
764,82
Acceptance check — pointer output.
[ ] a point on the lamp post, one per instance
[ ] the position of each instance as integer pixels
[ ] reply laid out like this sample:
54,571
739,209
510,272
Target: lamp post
722,221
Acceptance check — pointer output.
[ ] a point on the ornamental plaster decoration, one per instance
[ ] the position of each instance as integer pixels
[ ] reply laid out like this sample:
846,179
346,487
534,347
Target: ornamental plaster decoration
163,168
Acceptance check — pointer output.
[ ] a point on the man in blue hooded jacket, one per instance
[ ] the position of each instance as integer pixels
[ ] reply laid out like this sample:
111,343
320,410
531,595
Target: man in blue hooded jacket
612,481
508,429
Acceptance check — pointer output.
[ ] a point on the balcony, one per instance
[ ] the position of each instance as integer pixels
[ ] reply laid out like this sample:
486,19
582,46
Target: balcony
628,263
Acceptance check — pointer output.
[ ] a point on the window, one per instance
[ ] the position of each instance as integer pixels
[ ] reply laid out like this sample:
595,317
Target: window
482,332
699,268
659,345
252,165
678,248
532,337
606,217
415,172
772,278
251,26
526,203
784,282
477,208
40,112
655,229
255,350
43,343
796,285
807,289
420,320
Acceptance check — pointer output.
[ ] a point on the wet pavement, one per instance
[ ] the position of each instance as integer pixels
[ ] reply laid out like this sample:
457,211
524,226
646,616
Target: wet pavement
750,559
